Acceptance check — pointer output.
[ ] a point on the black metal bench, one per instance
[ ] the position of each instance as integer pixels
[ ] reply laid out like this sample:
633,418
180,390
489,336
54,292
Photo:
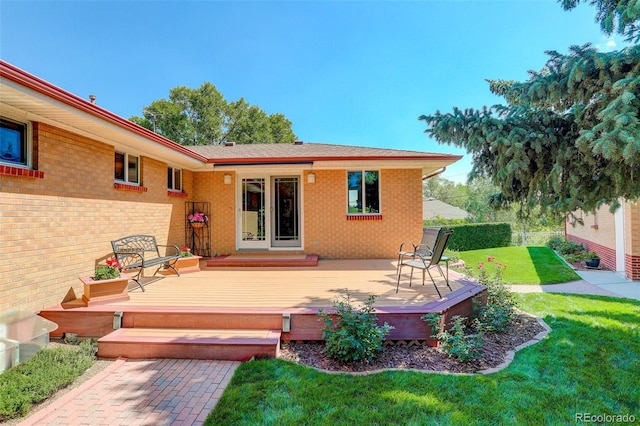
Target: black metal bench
142,251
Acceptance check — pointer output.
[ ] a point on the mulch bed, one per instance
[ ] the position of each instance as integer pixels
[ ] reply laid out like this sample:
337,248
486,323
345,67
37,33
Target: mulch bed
419,356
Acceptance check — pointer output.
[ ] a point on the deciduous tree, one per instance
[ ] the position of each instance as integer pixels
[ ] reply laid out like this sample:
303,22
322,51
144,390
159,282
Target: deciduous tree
203,117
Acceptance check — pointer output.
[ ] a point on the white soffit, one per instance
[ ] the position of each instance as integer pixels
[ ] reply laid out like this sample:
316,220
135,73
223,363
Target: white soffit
23,103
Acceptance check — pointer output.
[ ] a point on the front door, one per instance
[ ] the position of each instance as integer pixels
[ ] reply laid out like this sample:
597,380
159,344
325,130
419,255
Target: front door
269,212
285,212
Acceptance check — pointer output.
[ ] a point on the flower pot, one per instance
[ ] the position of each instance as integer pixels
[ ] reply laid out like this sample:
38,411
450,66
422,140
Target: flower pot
592,263
184,265
105,291
197,225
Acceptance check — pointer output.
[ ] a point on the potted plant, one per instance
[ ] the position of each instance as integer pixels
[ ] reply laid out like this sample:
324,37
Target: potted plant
107,285
591,260
107,272
197,219
187,262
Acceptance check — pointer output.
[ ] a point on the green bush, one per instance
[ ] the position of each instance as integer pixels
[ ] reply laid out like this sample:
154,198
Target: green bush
438,221
569,250
555,243
457,342
37,378
476,236
354,335
497,313
465,342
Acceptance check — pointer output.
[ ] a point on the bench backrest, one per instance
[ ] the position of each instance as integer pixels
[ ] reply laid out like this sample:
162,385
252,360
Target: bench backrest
135,243
126,248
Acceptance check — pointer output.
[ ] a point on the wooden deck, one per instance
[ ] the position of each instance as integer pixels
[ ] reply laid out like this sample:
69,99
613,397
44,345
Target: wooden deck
257,297
293,287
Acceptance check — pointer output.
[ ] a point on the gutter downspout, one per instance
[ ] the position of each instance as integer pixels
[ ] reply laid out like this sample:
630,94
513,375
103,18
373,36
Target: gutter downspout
436,173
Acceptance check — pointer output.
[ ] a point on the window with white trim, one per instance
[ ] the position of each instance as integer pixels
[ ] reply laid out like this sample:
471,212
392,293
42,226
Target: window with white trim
363,192
127,168
174,179
15,142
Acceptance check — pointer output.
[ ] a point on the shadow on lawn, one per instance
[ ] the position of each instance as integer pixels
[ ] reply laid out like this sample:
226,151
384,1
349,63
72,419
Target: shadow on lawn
589,363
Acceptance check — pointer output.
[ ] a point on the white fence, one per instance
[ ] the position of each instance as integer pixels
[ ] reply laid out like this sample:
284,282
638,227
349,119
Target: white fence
533,238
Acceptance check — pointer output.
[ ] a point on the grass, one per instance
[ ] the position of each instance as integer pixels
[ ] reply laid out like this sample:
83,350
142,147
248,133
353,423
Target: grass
590,363
525,265
39,377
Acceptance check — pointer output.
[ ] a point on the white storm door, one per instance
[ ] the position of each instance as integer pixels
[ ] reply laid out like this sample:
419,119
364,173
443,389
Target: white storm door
253,210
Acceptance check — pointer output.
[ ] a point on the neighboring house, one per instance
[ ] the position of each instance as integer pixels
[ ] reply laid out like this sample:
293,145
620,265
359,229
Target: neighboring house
615,237
74,176
433,209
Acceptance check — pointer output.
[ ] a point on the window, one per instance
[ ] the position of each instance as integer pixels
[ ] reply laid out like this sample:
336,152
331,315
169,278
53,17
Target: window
14,142
363,192
174,179
127,168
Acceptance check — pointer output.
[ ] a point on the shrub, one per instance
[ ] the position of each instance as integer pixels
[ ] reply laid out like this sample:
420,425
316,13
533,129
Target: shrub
476,236
37,378
458,341
438,221
354,335
570,247
555,243
497,313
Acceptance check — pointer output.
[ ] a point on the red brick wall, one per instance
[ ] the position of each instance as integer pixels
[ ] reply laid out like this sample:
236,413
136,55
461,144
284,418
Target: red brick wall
632,240
598,235
54,229
607,254
632,267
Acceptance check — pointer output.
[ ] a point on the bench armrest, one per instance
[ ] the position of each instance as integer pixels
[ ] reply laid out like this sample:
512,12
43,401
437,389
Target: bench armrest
176,248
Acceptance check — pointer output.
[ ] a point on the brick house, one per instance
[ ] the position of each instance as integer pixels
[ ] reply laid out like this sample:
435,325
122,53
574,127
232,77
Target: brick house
615,237
74,176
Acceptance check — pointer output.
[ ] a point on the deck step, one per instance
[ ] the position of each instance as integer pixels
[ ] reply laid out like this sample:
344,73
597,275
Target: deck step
181,343
265,260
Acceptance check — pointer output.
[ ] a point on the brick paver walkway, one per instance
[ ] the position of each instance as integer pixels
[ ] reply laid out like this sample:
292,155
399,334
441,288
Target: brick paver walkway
142,392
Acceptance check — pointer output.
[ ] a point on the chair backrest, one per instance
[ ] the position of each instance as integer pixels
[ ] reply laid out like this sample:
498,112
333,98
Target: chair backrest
441,245
429,238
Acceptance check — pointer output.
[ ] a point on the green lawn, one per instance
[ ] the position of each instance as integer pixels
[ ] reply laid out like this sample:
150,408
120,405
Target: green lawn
589,363
525,265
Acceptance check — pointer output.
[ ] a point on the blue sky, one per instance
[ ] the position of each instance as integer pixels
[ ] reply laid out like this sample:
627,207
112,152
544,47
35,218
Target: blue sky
351,73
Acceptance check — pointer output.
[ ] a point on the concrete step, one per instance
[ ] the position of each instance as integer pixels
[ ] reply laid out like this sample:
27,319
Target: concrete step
182,343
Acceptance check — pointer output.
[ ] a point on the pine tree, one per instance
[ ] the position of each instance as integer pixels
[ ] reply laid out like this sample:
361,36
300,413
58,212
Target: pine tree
568,138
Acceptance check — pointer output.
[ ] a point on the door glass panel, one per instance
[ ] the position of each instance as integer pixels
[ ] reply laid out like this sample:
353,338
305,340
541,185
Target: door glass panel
286,229
253,206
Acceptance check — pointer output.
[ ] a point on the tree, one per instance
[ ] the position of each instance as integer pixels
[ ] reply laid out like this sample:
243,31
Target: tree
621,16
568,138
203,117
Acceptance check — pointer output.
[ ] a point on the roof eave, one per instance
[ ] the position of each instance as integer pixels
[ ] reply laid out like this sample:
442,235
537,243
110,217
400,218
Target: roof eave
45,88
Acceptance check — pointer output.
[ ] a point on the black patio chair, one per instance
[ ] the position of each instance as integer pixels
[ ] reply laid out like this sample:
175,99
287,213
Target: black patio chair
425,248
427,262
